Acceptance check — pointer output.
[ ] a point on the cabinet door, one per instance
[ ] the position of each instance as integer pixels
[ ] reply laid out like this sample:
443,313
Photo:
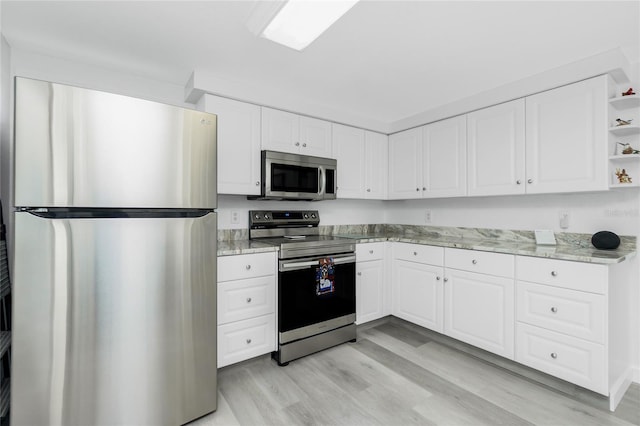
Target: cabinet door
349,150
315,137
566,138
405,168
376,165
479,310
496,150
417,294
238,145
280,131
369,291
444,158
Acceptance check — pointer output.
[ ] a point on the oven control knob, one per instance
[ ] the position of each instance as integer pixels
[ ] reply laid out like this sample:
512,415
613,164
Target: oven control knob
266,216
256,216
313,215
306,215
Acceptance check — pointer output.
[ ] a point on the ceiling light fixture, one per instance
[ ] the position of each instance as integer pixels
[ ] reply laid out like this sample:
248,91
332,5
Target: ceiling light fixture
297,23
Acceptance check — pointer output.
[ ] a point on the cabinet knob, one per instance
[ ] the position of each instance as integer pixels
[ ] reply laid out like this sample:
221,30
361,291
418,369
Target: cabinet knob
304,145
248,300
518,182
248,341
529,180
359,274
258,183
474,261
446,279
368,189
417,189
297,143
415,253
554,355
248,267
554,309
370,251
424,188
554,273
437,278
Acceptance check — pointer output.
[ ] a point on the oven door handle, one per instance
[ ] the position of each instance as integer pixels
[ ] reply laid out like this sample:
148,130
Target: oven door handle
291,266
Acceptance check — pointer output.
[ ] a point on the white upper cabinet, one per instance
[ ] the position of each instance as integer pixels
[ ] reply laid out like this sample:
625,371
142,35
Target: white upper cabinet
496,150
362,162
566,138
238,144
429,161
286,132
405,166
444,158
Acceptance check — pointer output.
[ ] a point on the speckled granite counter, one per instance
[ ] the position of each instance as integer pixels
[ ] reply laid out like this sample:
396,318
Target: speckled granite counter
574,247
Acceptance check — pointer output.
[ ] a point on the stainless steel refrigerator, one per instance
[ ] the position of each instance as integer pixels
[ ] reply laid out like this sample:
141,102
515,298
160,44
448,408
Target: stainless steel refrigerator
114,275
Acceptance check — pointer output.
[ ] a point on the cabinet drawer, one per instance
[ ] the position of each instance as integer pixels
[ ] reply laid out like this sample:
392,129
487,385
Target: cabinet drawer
369,251
419,253
571,359
499,264
244,299
246,266
246,339
562,273
576,313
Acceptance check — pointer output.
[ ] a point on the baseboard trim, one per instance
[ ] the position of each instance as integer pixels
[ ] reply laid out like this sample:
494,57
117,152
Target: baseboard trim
619,388
636,374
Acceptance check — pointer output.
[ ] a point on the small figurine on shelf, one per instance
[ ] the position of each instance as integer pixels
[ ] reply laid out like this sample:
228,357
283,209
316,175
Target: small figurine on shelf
629,92
622,122
623,177
628,149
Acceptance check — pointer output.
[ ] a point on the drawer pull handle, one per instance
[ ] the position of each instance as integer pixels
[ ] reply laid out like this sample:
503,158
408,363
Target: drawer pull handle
248,267
554,355
248,341
370,251
248,300
554,273
359,274
474,261
554,309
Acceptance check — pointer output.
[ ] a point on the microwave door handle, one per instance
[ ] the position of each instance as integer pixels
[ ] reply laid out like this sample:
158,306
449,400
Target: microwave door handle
323,181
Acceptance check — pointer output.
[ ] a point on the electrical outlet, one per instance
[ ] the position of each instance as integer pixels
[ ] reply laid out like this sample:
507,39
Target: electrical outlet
427,216
564,217
235,217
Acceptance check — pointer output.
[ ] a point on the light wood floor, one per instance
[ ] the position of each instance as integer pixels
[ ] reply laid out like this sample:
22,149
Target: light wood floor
401,374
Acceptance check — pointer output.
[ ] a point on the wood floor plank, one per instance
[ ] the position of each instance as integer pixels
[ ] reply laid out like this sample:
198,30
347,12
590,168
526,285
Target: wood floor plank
403,333
484,411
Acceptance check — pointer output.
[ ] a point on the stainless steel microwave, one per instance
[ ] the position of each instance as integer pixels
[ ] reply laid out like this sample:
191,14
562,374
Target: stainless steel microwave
297,177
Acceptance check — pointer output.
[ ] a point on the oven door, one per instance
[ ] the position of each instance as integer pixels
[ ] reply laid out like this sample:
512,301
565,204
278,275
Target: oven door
314,298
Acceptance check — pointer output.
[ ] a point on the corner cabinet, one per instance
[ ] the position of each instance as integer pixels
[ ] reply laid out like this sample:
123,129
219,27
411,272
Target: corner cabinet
238,144
362,162
287,132
566,138
430,161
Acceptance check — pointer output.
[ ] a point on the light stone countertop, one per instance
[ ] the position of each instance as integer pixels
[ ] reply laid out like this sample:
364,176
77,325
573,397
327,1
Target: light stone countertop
573,247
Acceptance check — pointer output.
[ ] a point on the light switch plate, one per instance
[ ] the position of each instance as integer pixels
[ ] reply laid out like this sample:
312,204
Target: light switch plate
545,237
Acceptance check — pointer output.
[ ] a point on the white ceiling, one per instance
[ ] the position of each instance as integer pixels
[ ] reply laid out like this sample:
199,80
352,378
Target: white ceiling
385,60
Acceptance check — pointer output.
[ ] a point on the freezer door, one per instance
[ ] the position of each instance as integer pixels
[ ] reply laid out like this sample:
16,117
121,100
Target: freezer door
114,321
84,148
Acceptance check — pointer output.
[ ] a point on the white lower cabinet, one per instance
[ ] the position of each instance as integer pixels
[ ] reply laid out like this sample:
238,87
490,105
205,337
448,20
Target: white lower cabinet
417,285
479,299
572,322
246,307
370,289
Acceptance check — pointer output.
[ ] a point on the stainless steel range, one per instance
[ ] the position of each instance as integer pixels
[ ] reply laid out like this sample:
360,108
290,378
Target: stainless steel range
316,282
